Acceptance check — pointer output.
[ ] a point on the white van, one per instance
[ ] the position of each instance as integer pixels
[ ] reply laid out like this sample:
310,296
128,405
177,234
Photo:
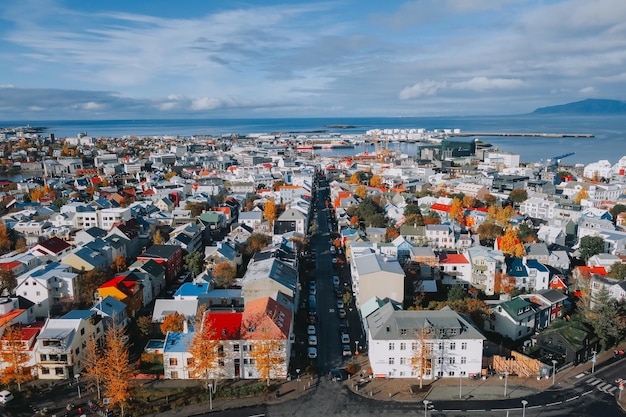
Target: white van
5,397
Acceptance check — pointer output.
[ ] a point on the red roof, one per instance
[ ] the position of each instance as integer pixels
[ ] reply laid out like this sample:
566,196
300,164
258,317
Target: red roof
440,207
593,270
227,325
10,265
452,258
55,245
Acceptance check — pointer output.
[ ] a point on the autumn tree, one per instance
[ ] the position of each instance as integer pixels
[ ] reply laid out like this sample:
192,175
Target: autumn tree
158,238
256,242
457,211
206,354
267,348
269,212
469,201
432,218
503,283
510,243
95,365
20,245
7,279
119,264
15,356
354,222
224,274
5,241
421,358
391,233
36,194
118,369
504,215
518,196
376,181
87,284
144,324
354,179
617,270
361,191
173,322
582,194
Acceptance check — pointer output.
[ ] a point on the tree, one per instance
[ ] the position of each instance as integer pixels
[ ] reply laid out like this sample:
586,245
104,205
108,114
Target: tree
376,181
5,241
88,283
616,210
206,353
432,218
354,222
7,279
411,209
582,194
503,216
269,212
267,348
20,245
15,357
158,238
526,233
361,191
421,360
456,292
119,264
591,245
144,324
118,369
618,270
173,322
224,274
469,201
510,243
391,233
354,179
606,317
518,196
503,283
256,242
194,262
95,365
457,211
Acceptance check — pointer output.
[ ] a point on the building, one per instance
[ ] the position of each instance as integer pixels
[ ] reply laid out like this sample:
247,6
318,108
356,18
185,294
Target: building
375,275
427,343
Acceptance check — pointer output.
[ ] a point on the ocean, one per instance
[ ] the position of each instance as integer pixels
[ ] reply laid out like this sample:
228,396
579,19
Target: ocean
609,141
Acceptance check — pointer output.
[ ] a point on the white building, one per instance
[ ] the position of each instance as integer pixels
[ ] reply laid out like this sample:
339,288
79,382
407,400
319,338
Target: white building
376,275
433,343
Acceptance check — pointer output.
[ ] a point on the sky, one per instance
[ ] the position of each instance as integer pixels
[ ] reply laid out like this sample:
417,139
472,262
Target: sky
146,59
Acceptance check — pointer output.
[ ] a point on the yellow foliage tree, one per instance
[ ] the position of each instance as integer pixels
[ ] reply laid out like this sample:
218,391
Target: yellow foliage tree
118,369
270,212
376,181
510,243
361,191
120,263
457,212
205,354
5,242
36,194
267,350
492,213
14,354
504,215
582,194
173,322
94,365
158,238
468,201
354,179
421,358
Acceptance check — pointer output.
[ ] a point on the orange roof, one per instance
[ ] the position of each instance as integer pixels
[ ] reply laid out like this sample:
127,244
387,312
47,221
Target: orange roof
453,258
266,312
440,207
593,270
10,265
10,316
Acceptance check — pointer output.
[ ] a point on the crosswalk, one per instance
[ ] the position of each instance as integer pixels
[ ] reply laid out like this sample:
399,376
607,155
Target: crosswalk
602,385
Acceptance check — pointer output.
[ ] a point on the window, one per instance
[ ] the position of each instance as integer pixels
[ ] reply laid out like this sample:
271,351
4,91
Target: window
245,348
220,362
173,362
403,332
392,346
391,361
451,373
462,373
45,370
414,346
245,361
236,347
82,331
174,374
252,361
452,346
189,361
451,360
440,360
463,359
402,361
58,370
440,345
464,346
402,346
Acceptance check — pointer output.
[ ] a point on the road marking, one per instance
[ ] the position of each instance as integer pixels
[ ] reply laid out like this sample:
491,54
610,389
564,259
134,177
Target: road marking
610,390
534,406
585,393
452,411
595,382
603,386
580,375
571,399
556,403
476,410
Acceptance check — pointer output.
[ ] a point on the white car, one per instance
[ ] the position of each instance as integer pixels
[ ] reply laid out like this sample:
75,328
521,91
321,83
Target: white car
342,313
345,350
312,353
5,397
312,340
345,338
310,329
339,303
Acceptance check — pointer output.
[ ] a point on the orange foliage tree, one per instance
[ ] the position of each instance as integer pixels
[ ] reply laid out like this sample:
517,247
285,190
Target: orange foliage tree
119,264
269,212
118,369
95,365
510,243
360,191
376,181
503,283
5,241
205,354
354,221
267,349
457,211
224,274
14,354
391,233
173,322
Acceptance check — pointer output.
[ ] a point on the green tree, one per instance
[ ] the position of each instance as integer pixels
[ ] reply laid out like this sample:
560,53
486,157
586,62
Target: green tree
606,317
518,196
411,209
591,245
456,292
144,324
194,262
616,210
256,242
617,270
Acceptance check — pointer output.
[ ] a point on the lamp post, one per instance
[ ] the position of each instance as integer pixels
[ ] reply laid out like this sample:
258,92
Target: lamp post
593,362
77,384
554,361
524,402
460,386
210,396
506,378
356,347
426,402
298,372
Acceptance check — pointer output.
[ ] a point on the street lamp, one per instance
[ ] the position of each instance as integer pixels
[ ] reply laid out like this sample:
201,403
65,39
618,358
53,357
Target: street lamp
554,361
77,384
210,396
460,386
426,402
356,347
524,402
298,372
506,378
593,362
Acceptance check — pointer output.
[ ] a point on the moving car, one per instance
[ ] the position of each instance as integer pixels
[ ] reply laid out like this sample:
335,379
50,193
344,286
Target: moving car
339,303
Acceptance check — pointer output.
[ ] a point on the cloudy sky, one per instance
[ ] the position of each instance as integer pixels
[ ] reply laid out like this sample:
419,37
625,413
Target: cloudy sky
75,59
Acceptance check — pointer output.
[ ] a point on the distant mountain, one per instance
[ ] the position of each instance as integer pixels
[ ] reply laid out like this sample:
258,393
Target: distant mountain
589,106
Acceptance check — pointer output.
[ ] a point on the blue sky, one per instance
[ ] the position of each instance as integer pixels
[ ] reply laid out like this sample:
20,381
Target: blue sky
219,58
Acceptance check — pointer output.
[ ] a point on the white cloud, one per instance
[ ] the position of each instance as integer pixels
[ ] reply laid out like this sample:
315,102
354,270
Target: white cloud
7,86
205,103
422,88
588,90
484,83
92,105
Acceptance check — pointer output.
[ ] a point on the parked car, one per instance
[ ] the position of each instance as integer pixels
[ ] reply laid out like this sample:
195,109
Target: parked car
345,338
312,353
312,340
339,303
335,280
310,329
338,374
5,397
342,313
345,350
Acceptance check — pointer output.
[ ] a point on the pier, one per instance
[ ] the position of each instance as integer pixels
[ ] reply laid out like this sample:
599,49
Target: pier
521,135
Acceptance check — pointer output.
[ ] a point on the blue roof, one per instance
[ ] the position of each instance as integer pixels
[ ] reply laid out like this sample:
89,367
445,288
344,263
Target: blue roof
190,289
535,264
348,232
79,314
177,342
110,306
515,267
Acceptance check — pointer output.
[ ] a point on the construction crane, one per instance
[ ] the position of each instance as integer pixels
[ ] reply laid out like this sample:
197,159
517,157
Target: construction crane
551,166
556,160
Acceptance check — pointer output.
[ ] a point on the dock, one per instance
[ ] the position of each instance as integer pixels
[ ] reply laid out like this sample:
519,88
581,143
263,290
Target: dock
521,135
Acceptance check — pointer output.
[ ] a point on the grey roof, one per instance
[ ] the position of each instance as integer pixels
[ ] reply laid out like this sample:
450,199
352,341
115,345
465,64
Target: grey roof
552,295
386,323
163,307
372,263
